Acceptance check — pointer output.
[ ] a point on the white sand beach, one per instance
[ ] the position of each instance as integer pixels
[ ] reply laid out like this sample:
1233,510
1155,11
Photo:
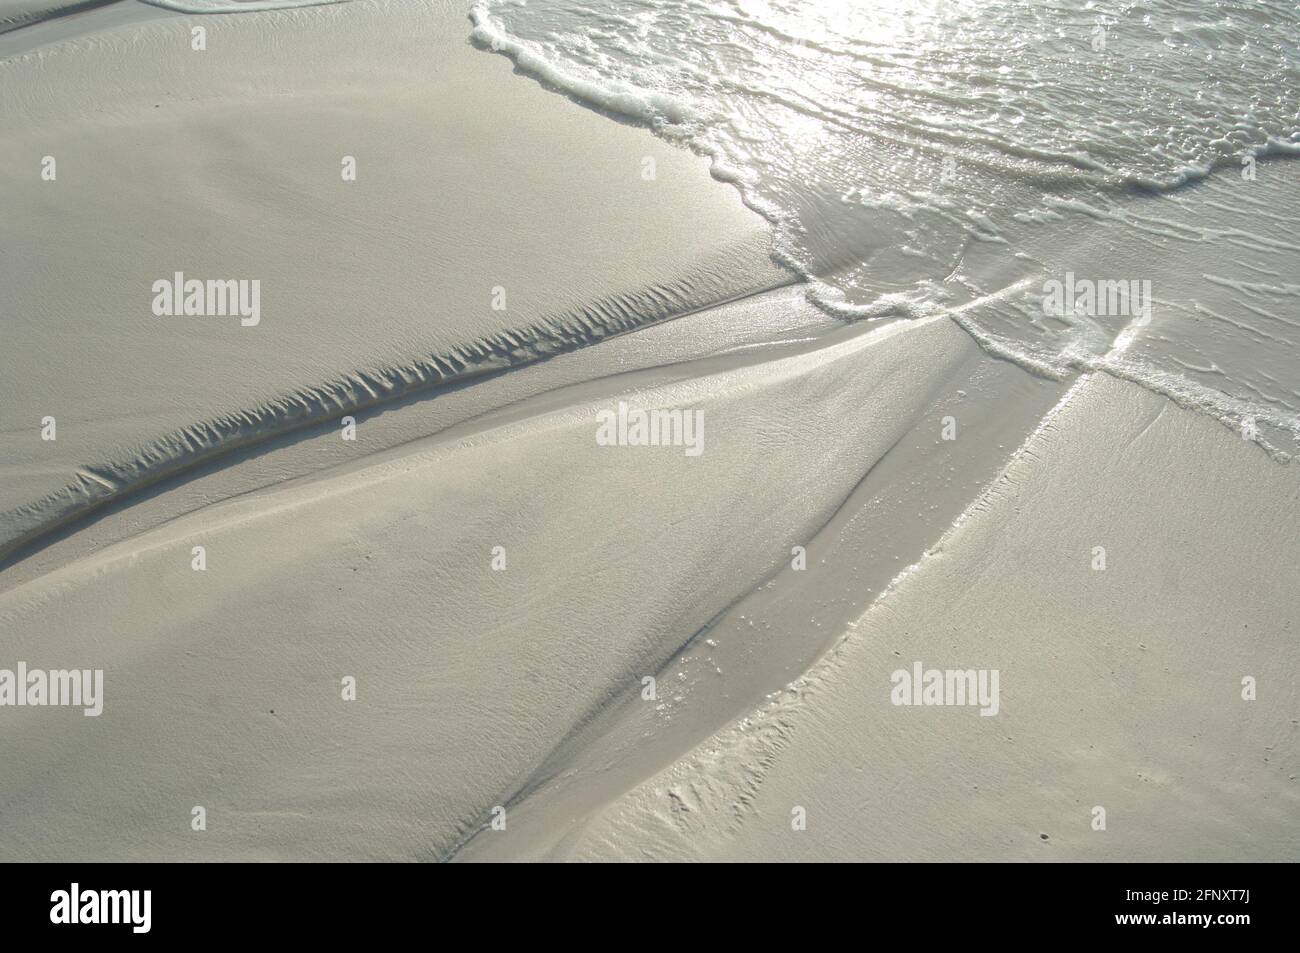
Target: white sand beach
576,454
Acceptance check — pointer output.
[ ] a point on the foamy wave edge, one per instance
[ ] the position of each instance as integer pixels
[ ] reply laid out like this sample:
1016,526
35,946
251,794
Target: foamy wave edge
673,119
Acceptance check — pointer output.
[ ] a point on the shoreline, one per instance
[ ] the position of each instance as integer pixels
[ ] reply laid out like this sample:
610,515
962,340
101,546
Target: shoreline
390,560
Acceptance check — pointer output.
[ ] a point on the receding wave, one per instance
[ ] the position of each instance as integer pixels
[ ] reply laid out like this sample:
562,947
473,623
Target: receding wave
891,144
801,107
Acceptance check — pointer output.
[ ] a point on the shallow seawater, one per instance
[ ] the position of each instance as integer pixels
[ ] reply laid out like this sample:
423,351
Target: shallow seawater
944,153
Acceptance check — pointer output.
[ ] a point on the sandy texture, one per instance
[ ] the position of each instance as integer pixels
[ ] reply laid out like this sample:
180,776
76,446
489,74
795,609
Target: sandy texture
223,686
1120,688
930,481
226,163
21,13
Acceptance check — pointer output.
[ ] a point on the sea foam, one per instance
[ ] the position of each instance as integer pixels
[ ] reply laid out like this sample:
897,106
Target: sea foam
887,144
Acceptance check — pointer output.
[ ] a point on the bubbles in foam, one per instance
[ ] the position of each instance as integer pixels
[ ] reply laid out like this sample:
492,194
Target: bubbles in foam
965,146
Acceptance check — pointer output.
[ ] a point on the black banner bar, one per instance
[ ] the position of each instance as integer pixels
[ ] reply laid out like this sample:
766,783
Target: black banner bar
147,902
